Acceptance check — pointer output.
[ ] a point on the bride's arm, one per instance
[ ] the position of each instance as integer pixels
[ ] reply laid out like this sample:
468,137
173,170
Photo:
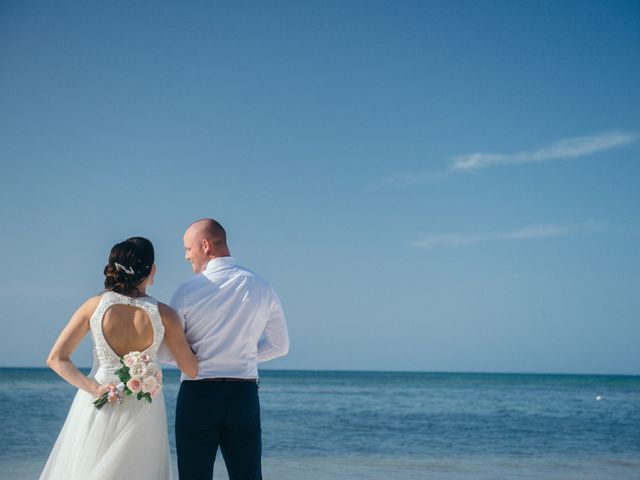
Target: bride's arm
59,359
176,341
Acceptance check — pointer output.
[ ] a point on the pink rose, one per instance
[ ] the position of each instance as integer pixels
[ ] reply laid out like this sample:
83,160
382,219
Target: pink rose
113,394
148,384
144,357
159,376
156,391
135,384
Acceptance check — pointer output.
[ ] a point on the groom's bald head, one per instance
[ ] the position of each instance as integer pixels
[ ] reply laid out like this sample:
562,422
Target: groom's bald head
204,240
211,230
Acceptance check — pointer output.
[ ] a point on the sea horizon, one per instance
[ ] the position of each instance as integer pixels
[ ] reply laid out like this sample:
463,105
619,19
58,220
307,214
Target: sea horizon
376,371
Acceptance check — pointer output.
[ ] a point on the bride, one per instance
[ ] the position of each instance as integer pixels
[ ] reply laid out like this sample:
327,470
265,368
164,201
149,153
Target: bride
127,439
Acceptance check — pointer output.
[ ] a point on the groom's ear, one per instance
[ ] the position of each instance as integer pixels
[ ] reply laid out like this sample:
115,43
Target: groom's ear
206,246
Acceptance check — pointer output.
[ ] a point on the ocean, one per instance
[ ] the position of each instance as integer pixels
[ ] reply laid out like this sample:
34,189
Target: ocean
387,425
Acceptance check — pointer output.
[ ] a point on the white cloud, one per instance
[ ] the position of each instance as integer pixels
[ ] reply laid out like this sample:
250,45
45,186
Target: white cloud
563,149
530,232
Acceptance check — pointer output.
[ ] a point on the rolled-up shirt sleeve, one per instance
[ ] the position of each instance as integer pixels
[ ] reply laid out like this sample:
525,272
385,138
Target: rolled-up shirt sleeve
274,342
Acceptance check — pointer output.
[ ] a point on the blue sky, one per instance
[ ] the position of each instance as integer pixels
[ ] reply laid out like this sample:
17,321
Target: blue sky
440,186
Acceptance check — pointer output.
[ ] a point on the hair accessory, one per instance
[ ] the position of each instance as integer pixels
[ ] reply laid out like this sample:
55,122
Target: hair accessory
128,270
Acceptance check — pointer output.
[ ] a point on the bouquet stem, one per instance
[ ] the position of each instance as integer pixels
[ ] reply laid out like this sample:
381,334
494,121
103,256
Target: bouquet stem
101,401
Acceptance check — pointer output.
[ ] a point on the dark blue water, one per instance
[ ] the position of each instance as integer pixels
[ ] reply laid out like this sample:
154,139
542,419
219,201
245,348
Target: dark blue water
389,425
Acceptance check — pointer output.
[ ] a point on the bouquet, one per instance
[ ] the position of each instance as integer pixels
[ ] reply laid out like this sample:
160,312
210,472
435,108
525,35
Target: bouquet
138,375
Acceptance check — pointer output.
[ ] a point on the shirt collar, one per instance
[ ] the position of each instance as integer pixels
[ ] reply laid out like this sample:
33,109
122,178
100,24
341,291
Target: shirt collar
219,263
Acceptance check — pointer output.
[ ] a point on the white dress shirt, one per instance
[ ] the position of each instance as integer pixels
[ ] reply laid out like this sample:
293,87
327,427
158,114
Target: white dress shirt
232,319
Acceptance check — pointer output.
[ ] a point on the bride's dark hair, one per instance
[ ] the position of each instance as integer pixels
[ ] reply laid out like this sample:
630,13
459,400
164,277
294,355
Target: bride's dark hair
130,262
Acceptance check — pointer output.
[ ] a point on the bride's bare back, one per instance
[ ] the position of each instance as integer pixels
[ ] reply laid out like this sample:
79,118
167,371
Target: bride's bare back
127,329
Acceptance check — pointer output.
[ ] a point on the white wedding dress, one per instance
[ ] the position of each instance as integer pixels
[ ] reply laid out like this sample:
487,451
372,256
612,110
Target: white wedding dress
127,440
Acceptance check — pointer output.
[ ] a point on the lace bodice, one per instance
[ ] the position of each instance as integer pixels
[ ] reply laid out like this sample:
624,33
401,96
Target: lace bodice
105,360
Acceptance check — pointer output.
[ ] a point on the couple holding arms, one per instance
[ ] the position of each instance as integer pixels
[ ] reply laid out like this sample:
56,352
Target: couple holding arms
220,324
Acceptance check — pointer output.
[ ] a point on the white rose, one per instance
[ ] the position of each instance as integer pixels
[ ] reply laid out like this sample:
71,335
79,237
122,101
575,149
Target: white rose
131,359
138,370
149,384
152,368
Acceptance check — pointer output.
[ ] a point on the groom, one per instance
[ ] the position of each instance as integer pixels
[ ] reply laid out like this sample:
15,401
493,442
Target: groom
233,320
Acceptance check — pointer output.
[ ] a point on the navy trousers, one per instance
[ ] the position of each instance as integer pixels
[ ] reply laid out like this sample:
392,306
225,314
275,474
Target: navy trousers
218,414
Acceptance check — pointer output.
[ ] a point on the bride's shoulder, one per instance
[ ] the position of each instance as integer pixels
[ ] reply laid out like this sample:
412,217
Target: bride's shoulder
87,309
92,302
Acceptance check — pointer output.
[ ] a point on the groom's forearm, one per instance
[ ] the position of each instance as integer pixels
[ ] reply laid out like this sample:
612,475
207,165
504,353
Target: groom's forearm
275,342
275,337
269,353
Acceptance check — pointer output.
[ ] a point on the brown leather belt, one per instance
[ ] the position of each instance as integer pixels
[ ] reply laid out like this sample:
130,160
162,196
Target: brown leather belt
225,379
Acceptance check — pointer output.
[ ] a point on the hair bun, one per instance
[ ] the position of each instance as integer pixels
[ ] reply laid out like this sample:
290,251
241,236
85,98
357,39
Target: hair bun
130,262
